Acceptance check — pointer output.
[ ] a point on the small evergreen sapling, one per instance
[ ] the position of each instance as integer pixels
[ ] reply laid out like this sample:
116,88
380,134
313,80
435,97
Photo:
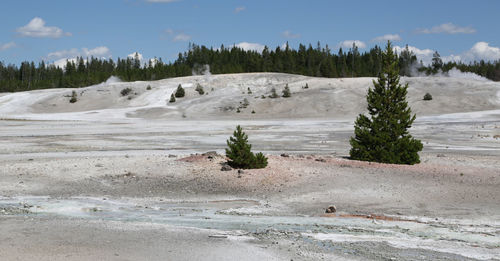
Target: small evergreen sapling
273,95
199,89
73,97
179,93
427,97
286,92
240,154
125,91
172,98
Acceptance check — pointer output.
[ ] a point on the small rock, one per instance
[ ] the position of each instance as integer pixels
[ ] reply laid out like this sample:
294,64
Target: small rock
321,160
440,155
240,171
218,236
210,154
226,167
172,156
30,159
331,209
99,165
285,155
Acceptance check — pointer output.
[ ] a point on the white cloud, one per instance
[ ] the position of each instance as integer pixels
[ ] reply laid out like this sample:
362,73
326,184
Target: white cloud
387,37
101,51
348,44
132,55
424,55
178,36
62,62
181,37
447,28
290,35
36,28
251,46
61,57
481,51
6,46
239,9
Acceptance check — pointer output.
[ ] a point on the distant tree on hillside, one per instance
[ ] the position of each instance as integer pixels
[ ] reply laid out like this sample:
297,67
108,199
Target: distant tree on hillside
286,92
384,137
179,93
437,63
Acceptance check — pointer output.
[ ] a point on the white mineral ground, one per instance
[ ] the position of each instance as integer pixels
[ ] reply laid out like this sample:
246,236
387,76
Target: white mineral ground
114,177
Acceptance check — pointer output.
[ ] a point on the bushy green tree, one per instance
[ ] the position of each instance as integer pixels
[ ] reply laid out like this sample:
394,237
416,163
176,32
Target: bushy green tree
286,92
179,93
73,97
172,98
199,89
384,137
427,97
273,95
240,154
125,91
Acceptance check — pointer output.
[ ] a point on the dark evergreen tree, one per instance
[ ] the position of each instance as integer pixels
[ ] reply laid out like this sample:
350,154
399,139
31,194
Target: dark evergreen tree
437,63
179,93
240,154
286,92
273,95
172,98
73,97
384,137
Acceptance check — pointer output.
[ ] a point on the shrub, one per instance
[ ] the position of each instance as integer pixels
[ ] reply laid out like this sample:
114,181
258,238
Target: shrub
245,103
73,97
249,91
273,95
286,92
383,136
172,98
199,89
125,91
179,93
240,154
306,87
148,88
427,97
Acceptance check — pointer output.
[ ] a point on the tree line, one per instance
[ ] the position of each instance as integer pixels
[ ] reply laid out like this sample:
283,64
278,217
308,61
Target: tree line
318,61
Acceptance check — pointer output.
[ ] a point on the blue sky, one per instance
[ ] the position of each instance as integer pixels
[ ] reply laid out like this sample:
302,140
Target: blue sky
56,30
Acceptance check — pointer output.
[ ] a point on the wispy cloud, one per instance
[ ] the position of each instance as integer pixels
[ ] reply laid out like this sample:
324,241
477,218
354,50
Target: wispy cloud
177,36
349,43
101,51
288,34
36,28
7,46
239,9
387,37
447,28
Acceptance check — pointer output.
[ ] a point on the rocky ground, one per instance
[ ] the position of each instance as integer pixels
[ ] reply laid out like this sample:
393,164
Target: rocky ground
132,180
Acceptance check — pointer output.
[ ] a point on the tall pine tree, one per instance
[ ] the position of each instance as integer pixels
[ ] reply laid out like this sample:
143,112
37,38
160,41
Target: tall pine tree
384,137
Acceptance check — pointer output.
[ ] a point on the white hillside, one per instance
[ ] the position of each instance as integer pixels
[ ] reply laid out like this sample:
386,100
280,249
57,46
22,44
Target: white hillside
325,98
